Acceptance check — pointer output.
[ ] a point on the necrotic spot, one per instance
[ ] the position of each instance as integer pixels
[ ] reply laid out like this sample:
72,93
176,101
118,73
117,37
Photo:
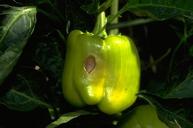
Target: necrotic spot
89,63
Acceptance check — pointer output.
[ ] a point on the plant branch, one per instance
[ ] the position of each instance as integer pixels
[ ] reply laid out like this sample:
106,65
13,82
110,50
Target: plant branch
105,6
114,11
130,23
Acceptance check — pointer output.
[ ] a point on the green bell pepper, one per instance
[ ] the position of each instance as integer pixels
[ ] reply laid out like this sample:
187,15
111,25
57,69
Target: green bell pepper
102,72
143,116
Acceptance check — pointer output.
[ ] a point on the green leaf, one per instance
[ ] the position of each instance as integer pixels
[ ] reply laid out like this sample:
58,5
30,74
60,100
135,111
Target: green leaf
191,50
172,119
27,92
94,7
16,29
91,8
21,101
49,57
160,9
67,117
183,90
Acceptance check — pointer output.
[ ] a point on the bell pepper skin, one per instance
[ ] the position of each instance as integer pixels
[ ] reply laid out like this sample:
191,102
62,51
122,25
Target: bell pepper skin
102,72
143,116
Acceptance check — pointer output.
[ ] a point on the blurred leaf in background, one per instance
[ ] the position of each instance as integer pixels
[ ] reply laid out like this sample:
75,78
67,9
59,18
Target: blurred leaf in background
15,31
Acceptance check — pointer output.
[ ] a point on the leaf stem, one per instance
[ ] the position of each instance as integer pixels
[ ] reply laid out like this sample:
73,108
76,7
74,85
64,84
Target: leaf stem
158,60
56,10
130,23
174,54
105,6
122,10
147,99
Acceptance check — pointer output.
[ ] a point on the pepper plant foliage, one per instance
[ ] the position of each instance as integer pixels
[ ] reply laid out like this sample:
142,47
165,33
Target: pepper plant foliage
33,37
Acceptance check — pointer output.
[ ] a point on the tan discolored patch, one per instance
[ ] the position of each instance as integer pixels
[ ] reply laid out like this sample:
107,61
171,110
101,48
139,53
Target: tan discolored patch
90,64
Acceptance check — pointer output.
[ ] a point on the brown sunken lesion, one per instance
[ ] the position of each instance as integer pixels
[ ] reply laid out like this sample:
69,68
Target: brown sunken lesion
89,64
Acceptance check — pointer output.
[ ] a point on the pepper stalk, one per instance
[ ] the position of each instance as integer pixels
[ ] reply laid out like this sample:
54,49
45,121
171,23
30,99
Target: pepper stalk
99,28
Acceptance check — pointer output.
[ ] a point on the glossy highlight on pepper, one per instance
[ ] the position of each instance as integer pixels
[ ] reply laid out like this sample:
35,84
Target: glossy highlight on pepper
102,72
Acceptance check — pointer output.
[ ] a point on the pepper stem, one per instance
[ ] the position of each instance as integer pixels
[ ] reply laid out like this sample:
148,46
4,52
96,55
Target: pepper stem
100,25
